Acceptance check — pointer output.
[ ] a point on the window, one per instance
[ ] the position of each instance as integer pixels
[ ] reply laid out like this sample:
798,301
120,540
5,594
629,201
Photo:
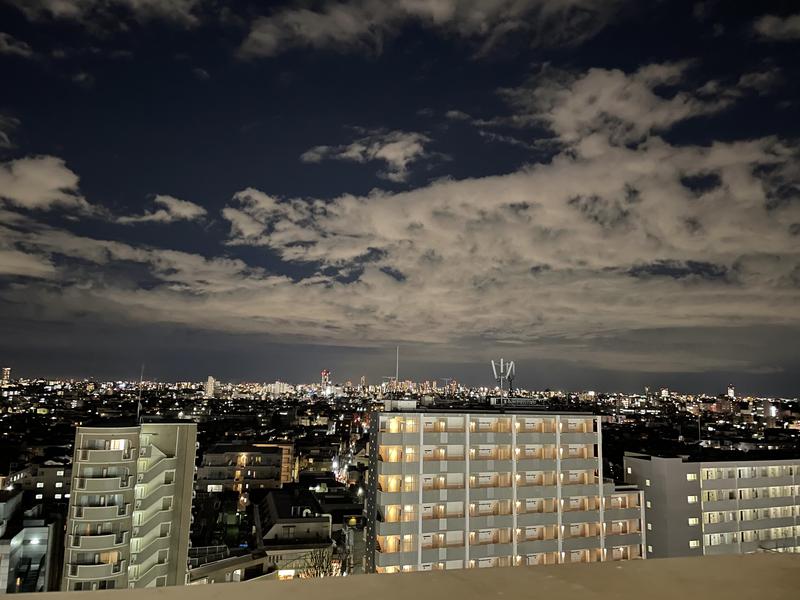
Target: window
691,477
57,496
691,499
59,484
648,504
39,484
694,521
647,482
38,496
694,543
649,549
629,470
649,527
59,473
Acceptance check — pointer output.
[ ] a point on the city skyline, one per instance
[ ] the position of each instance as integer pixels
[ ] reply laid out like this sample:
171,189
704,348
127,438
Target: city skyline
604,192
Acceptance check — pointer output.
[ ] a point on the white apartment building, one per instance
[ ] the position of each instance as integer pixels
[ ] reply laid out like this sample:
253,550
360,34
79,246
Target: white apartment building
130,508
453,490
696,507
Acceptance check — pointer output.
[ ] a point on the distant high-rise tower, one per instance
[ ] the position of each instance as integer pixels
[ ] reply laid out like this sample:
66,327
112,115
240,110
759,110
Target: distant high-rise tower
363,381
130,509
731,392
325,378
6,375
210,387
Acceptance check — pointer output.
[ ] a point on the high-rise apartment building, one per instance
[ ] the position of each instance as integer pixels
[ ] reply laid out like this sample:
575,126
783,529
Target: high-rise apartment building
210,387
696,507
130,508
490,488
6,377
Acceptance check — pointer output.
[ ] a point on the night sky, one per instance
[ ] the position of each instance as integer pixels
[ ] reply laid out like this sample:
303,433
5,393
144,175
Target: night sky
607,192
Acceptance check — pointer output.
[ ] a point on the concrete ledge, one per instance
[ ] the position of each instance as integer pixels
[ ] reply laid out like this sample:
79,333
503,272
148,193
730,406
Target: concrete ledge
749,577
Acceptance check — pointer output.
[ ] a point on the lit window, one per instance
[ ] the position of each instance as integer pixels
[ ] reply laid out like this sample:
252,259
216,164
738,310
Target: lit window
694,521
647,482
66,495
57,496
694,543
39,484
648,504
59,473
38,496
59,484
691,499
629,470
650,549
691,477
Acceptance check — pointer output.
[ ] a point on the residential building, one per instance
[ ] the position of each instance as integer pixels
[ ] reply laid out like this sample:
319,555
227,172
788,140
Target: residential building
451,489
696,507
49,479
243,467
130,509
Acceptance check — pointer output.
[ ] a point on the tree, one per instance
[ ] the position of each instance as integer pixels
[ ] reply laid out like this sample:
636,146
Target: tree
318,563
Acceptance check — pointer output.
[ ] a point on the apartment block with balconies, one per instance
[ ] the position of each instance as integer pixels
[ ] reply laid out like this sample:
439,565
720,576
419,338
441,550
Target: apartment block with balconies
479,489
698,507
130,506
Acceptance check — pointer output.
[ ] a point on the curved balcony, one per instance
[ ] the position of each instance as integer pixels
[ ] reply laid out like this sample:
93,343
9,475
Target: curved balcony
107,456
101,513
107,541
103,484
96,571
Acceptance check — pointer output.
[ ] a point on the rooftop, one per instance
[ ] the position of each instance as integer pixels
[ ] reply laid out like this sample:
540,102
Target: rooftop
760,576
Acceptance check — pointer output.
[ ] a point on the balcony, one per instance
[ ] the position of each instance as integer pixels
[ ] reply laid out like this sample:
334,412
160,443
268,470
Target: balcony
101,513
97,542
96,571
103,484
107,456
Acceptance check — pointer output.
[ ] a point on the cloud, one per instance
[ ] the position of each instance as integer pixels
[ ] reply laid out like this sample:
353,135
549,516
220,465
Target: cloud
201,74
364,24
83,79
457,115
760,82
170,209
7,125
398,149
11,45
624,106
594,257
183,12
41,183
772,27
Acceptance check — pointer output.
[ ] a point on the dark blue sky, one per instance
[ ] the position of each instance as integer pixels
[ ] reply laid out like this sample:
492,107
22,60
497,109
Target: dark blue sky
606,192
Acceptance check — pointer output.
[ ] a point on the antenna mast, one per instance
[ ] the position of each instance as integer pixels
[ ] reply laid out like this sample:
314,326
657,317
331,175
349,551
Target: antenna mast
504,372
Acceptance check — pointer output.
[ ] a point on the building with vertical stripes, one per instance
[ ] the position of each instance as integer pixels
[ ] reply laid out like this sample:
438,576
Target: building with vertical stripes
450,490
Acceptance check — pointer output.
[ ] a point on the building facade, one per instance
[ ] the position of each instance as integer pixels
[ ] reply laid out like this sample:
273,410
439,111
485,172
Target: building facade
479,489
696,508
242,467
130,506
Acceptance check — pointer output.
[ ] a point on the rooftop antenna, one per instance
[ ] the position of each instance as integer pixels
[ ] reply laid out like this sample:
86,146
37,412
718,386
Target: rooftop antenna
397,367
504,372
139,401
